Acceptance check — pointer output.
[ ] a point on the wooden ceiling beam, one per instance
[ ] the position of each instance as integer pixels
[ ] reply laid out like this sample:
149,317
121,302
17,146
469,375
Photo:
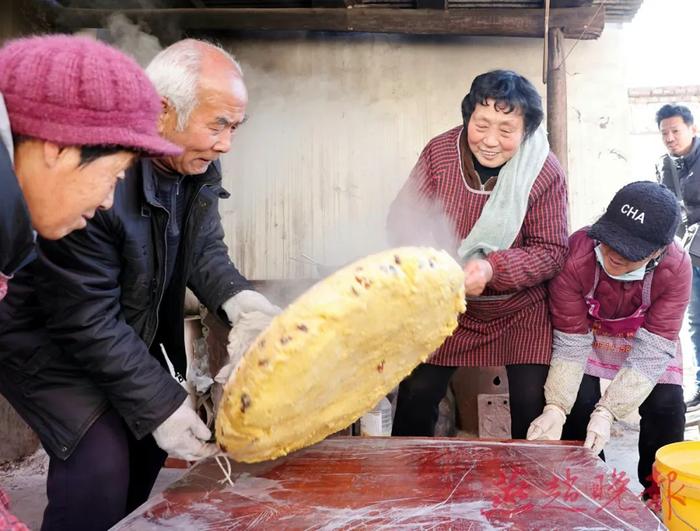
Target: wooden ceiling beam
584,22
571,3
332,3
431,4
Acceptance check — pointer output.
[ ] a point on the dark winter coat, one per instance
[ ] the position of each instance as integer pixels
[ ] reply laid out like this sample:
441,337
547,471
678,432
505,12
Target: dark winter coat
78,324
688,171
670,291
16,234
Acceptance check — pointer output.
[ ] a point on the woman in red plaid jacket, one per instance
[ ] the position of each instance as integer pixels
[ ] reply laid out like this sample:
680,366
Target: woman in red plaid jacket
491,192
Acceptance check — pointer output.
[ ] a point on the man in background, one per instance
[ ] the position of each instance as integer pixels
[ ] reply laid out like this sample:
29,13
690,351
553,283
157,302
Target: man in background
679,170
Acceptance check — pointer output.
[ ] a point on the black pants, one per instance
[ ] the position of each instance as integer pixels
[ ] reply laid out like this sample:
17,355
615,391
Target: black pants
108,475
420,395
662,420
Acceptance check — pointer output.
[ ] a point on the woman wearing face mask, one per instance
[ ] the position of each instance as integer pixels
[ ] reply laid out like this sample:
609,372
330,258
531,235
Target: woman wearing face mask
617,308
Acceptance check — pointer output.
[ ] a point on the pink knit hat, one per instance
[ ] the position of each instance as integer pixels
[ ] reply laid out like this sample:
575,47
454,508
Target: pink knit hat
76,91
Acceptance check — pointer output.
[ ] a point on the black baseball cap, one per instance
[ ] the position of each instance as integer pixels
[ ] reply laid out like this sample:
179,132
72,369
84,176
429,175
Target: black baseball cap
641,219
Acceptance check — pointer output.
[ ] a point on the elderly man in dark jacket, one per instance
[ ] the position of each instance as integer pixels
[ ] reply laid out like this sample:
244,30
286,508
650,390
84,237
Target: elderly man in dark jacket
679,170
101,395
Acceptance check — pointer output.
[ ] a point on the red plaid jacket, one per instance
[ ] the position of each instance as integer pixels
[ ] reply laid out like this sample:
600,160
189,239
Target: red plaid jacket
8,522
515,328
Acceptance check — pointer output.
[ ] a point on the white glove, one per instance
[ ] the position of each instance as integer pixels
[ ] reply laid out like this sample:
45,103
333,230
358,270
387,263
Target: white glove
247,301
247,328
548,426
598,430
184,435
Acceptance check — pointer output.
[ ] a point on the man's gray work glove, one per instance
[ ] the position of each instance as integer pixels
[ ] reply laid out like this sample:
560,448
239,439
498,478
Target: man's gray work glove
184,435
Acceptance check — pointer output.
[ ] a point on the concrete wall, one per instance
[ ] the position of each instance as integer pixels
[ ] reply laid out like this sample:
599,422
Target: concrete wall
17,18
599,124
17,439
336,123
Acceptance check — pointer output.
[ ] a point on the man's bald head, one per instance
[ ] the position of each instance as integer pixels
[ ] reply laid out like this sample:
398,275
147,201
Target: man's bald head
204,101
178,70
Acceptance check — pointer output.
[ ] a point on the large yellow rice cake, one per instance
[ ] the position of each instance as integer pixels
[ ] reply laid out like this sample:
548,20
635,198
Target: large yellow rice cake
340,347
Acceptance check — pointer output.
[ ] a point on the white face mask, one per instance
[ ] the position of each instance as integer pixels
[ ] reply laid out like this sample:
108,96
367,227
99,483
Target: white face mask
637,274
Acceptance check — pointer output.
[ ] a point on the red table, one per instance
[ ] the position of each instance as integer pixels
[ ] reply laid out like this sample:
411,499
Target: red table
391,483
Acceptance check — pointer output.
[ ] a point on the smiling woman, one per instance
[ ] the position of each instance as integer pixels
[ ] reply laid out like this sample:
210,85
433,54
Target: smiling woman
502,193
494,134
501,110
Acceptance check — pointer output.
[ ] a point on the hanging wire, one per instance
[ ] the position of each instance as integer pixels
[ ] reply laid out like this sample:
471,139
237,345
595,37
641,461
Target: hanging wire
583,32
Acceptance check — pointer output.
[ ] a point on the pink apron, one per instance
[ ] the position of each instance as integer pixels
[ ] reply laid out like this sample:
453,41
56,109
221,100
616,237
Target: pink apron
612,338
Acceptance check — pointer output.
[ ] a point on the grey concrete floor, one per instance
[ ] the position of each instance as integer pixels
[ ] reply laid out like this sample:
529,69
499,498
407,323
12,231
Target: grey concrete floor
25,484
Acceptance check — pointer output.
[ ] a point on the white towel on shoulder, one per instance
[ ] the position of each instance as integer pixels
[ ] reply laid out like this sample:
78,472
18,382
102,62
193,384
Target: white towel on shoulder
504,212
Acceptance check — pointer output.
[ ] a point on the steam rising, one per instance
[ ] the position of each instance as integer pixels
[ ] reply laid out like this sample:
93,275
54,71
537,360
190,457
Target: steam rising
416,218
129,38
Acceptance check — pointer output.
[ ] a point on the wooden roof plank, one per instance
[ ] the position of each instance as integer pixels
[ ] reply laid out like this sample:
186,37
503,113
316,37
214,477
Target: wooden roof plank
584,22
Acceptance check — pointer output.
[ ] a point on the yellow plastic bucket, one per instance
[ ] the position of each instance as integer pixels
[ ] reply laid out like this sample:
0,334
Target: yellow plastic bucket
677,472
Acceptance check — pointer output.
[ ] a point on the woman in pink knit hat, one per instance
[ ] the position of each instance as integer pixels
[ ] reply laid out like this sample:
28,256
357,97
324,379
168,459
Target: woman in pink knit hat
74,114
